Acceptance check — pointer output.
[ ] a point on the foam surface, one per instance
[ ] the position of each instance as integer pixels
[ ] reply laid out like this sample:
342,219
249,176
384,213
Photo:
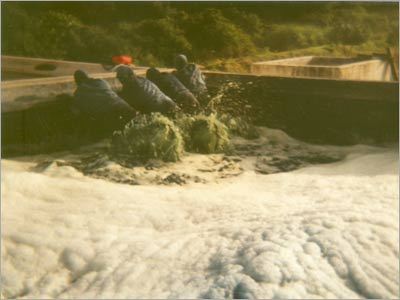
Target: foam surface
323,231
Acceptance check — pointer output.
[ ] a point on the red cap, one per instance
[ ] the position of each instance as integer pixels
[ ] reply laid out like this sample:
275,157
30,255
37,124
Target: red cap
122,60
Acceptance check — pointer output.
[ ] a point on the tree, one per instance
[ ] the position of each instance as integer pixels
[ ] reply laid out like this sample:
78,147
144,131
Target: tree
350,26
213,35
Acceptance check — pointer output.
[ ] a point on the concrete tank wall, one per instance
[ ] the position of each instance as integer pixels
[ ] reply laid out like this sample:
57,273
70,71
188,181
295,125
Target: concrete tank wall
314,110
15,67
370,70
45,67
325,67
22,94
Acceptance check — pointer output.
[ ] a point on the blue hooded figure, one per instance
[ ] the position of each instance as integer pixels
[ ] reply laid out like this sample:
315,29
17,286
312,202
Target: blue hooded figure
173,88
95,99
191,76
142,94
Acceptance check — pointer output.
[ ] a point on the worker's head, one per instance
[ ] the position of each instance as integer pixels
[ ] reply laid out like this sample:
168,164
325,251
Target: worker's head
80,77
180,61
152,74
125,74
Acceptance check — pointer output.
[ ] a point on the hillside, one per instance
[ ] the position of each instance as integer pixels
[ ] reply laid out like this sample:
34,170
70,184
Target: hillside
219,35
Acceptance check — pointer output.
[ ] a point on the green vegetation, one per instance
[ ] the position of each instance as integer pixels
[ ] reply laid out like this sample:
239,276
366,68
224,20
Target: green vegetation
219,35
238,126
204,134
150,136
156,136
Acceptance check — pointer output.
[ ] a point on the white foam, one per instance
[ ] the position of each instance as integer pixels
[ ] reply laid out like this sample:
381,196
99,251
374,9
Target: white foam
327,231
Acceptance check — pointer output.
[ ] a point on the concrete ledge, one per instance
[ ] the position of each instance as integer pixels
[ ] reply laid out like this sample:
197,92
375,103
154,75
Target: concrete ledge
46,67
23,94
13,67
375,69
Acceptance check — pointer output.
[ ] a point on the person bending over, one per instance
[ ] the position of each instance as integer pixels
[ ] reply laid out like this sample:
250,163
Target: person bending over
142,94
191,76
96,102
172,87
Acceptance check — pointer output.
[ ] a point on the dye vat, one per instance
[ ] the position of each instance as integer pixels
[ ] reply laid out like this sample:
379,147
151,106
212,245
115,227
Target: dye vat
355,68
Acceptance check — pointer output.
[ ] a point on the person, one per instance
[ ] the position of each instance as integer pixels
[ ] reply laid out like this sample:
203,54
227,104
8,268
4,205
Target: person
191,76
142,94
95,100
173,88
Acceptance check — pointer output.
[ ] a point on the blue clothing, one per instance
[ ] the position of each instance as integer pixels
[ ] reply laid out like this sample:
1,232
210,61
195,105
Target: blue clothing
191,76
94,97
145,96
171,86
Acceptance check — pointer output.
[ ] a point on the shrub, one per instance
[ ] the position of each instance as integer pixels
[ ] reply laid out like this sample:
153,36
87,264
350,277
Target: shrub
288,37
83,41
222,39
55,32
250,23
348,34
350,27
17,31
159,38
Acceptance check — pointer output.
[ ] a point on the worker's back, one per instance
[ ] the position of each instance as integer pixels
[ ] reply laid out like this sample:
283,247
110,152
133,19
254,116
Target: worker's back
95,96
143,94
172,87
94,99
191,76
